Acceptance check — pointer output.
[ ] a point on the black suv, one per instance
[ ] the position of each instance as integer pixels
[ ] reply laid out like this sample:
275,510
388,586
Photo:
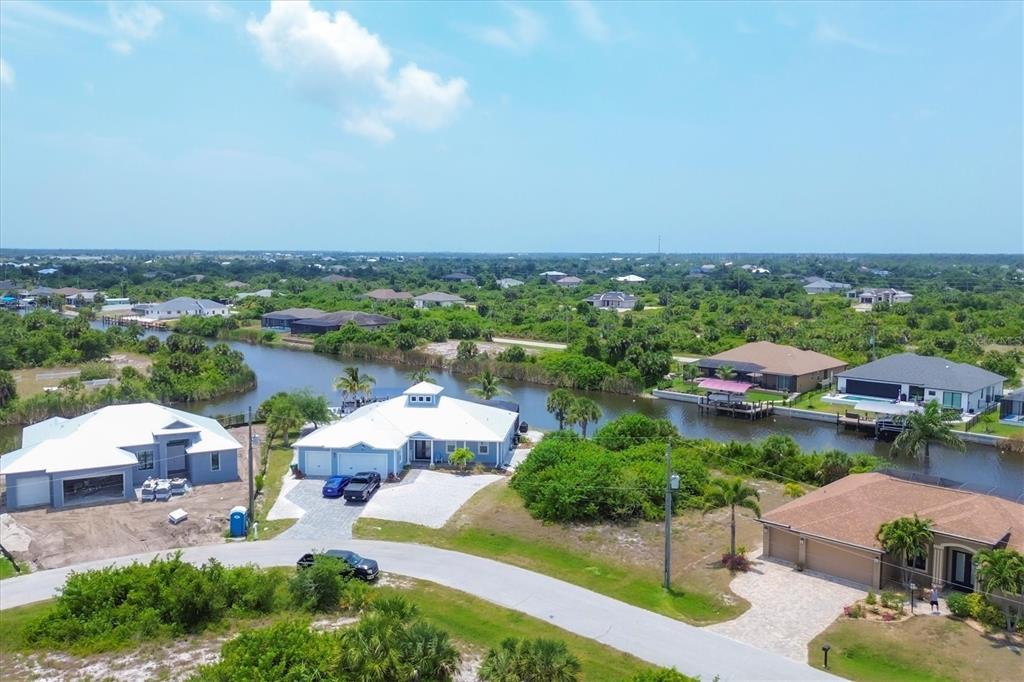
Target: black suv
362,485
363,568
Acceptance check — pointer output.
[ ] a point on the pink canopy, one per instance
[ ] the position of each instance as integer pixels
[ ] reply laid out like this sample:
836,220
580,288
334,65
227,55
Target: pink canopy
724,385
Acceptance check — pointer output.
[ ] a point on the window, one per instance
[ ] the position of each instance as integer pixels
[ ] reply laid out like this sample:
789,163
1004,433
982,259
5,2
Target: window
952,399
145,460
426,399
484,448
215,461
917,563
449,447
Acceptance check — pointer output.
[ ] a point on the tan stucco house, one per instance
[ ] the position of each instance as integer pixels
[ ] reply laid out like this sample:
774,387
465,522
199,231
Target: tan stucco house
775,366
832,530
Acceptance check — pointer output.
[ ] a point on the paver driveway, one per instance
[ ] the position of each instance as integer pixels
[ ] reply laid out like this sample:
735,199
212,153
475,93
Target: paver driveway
787,609
322,517
429,500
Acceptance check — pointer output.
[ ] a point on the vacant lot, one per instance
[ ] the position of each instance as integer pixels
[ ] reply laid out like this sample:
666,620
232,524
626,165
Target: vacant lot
37,379
449,349
921,649
621,561
69,536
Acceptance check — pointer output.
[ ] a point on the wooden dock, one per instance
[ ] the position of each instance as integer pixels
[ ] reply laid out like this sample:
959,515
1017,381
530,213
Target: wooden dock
882,429
128,321
738,410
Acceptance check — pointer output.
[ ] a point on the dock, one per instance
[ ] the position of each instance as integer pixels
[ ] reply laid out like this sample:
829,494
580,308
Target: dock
129,320
738,410
882,429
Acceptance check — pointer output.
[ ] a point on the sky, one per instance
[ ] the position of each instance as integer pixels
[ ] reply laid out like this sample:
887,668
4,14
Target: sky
512,126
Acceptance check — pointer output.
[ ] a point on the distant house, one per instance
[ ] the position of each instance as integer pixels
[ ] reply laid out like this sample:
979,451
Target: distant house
1011,408
337,279
459,277
756,269
774,366
262,293
420,426
818,285
388,295
181,307
922,378
569,281
48,271
509,282
189,278
833,530
708,267
888,295
235,284
553,275
281,320
437,299
613,300
630,279
72,295
330,322
103,455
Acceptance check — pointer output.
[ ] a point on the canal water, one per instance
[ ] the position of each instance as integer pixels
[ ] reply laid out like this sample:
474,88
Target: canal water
285,369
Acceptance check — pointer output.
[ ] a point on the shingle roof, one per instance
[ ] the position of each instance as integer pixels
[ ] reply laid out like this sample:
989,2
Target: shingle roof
439,297
924,370
775,358
295,313
343,317
852,509
389,295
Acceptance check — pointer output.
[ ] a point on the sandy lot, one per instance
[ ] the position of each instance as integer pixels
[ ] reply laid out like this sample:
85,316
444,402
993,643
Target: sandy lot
61,537
36,379
449,349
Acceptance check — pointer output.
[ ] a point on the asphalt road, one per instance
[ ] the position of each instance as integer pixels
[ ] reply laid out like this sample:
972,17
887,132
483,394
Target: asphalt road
646,635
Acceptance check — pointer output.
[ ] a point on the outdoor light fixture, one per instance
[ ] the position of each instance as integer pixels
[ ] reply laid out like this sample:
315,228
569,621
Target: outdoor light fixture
912,588
825,649
675,481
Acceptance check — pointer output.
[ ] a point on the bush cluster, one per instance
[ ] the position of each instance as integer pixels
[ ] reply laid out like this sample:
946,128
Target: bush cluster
780,457
978,607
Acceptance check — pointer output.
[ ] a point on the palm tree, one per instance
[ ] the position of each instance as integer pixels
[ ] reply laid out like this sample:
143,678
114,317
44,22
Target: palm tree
283,419
583,412
690,371
421,374
1002,570
907,538
559,403
538,659
732,493
353,383
921,428
487,385
725,372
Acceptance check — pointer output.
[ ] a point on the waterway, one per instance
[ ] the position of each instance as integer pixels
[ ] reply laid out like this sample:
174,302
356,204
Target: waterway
286,369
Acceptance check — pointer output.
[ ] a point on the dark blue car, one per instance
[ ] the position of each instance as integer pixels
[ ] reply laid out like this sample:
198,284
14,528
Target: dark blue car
335,485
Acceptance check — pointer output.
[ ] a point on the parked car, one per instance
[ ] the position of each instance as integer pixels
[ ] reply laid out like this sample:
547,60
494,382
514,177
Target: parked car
335,485
363,568
362,485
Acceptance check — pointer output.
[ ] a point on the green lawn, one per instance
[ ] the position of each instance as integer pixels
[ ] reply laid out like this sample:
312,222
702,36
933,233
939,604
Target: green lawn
995,428
753,395
277,466
6,568
629,584
922,649
483,625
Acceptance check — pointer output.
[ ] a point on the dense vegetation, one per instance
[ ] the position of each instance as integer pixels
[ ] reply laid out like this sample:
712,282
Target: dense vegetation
619,475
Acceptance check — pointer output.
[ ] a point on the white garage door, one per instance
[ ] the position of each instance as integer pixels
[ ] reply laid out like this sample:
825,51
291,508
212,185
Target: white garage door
350,463
318,463
33,491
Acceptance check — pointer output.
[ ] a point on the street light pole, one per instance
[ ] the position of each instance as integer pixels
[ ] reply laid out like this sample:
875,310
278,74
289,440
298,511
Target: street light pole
252,492
668,515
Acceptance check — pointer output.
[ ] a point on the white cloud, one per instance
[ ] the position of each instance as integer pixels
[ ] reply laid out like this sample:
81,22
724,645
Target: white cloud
588,20
826,32
220,11
122,47
33,11
6,74
525,30
336,57
137,21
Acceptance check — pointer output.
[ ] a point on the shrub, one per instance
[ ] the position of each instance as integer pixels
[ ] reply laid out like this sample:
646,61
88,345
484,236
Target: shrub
892,600
512,354
989,615
661,675
525,659
871,599
958,605
96,370
855,611
286,651
462,457
356,595
318,587
736,562
258,481
793,490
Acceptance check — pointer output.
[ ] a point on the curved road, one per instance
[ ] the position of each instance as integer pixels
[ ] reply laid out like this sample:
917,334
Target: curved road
647,635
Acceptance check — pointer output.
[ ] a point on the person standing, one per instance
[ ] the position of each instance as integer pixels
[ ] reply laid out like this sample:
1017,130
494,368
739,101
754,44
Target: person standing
933,597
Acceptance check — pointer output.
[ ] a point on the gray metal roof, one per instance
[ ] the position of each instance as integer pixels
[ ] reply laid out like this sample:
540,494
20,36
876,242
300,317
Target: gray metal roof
343,317
439,297
926,371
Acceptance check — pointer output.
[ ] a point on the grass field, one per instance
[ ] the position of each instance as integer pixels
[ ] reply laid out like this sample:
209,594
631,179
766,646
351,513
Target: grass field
6,568
922,649
623,562
278,461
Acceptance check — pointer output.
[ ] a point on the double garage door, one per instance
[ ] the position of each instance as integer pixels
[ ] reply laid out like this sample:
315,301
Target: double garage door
319,463
824,557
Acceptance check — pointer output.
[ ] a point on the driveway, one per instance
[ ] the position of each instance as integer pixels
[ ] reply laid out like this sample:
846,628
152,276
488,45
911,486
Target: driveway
318,517
430,499
648,636
787,608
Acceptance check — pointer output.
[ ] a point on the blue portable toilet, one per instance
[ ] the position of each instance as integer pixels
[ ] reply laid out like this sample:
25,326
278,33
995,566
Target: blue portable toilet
238,521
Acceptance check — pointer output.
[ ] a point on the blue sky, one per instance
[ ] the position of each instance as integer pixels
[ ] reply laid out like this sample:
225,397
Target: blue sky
564,126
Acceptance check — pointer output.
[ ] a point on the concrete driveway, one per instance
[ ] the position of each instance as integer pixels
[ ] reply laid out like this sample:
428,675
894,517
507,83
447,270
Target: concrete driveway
427,498
649,636
318,517
787,608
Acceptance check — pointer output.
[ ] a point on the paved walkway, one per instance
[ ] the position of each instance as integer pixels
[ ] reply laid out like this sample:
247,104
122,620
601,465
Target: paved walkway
787,608
649,636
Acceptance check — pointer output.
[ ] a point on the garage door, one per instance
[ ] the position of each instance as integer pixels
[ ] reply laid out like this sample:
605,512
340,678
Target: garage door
784,545
352,462
841,562
33,491
318,463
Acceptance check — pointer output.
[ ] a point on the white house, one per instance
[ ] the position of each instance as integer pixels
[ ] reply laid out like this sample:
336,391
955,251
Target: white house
921,378
420,426
873,296
101,456
612,300
181,307
437,299
630,279
509,282
817,285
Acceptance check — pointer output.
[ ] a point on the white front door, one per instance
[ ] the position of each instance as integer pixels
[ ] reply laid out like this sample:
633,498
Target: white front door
318,463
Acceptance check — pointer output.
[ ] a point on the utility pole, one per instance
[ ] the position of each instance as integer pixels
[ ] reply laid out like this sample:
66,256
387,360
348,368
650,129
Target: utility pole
252,492
668,515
